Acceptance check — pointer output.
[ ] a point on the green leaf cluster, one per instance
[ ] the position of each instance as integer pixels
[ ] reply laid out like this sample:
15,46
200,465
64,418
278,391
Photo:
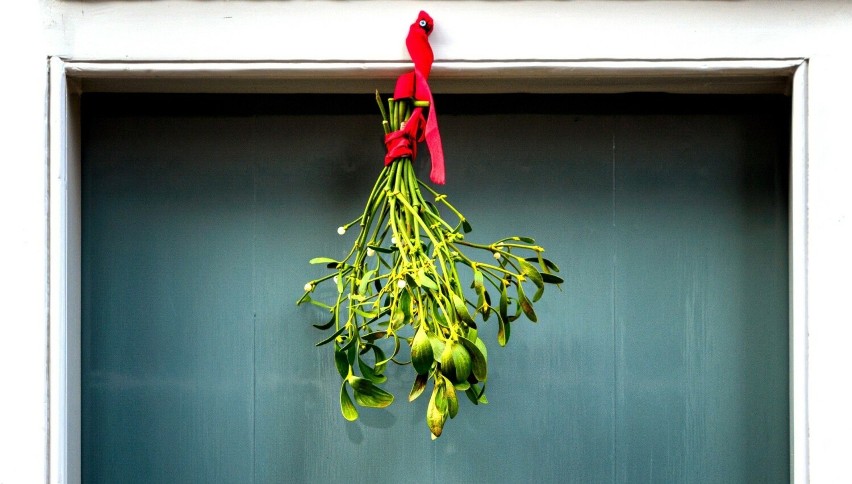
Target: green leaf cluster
400,284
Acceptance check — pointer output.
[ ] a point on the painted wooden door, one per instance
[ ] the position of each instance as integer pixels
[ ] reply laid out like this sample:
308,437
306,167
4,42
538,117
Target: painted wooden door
663,359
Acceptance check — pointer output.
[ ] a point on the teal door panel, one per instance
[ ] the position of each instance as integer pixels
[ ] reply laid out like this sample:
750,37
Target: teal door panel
664,358
699,308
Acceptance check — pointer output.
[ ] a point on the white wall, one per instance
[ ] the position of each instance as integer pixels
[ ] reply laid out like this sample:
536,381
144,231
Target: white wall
23,318
337,30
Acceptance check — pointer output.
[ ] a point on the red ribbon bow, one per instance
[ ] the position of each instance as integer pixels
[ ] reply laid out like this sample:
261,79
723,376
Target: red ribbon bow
403,142
414,85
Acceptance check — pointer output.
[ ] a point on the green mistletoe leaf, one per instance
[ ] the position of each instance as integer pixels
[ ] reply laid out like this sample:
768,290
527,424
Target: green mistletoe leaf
325,326
547,265
369,395
369,373
436,412
551,279
331,338
526,305
456,362
452,400
461,309
503,331
418,387
421,352
341,361
479,364
348,410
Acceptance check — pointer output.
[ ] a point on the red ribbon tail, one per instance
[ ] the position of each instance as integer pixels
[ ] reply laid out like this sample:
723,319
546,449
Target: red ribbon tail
433,141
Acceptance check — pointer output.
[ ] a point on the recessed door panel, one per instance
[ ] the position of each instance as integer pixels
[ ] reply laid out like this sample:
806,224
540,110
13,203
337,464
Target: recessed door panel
663,358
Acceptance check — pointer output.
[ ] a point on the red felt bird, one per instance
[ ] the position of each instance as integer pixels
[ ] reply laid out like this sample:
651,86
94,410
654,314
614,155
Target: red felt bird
415,85
417,42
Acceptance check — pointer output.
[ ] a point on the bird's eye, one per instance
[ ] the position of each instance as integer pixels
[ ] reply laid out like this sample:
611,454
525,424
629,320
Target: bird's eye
423,23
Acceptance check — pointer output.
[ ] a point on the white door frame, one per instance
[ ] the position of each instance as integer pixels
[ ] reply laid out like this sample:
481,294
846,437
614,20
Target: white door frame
69,79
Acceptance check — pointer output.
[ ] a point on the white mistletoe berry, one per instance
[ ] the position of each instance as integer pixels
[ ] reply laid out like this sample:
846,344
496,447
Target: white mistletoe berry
308,287
341,230
400,283
370,252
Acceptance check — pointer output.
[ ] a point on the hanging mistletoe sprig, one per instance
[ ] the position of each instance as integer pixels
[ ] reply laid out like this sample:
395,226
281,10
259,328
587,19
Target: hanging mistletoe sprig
401,284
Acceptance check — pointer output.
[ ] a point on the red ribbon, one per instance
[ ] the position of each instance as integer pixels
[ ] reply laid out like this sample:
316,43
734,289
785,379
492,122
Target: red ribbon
403,142
414,85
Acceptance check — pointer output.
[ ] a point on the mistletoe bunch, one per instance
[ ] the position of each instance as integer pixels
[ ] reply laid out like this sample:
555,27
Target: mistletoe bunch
401,284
